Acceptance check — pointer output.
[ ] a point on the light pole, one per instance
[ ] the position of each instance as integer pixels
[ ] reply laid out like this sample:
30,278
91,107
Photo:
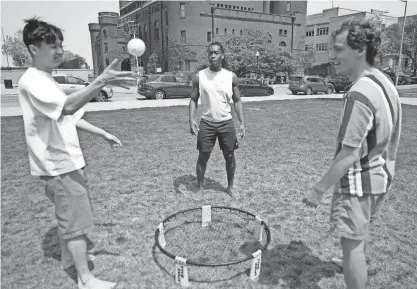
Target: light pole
213,9
257,63
132,26
401,45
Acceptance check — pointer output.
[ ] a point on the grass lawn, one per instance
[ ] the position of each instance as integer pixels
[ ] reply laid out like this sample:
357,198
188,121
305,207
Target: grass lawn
288,145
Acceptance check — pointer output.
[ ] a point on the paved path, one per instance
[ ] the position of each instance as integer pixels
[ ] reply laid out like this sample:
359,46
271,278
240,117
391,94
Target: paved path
131,100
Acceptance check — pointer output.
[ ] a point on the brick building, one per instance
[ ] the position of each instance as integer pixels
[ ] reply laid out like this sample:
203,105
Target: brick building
191,24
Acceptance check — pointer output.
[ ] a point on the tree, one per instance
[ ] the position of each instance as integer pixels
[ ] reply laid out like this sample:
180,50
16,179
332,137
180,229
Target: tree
15,47
391,41
178,53
240,52
152,62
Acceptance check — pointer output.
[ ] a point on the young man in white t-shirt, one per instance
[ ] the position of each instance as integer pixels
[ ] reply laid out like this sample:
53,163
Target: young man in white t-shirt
51,119
216,87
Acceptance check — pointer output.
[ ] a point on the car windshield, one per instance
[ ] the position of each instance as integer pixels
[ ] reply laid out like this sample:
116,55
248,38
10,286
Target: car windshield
153,77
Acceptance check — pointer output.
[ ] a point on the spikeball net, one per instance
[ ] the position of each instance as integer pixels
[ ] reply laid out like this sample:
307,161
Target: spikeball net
212,236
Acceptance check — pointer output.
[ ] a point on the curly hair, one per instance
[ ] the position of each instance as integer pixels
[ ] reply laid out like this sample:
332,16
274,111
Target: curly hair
37,31
361,35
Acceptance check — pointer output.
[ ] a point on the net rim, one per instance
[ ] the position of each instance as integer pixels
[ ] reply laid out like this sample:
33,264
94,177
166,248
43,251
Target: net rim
196,263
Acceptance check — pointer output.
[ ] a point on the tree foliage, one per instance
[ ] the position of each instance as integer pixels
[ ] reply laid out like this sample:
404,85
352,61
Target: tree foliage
152,63
240,54
177,53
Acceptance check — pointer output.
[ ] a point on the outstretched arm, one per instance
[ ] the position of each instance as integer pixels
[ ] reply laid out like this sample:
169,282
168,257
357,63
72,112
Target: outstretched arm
88,127
238,105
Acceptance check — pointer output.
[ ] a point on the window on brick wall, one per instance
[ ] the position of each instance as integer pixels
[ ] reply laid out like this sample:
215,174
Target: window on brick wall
233,31
217,31
183,37
310,32
321,47
323,31
208,37
140,32
225,31
106,47
156,30
285,32
104,34
145,33
241,32
182,9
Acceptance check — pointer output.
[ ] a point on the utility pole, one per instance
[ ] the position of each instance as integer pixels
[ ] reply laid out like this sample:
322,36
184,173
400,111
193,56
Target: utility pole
213,9
4,41
401,45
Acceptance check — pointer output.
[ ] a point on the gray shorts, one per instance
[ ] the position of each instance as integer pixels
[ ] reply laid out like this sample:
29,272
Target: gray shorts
72,199
351,216
210,131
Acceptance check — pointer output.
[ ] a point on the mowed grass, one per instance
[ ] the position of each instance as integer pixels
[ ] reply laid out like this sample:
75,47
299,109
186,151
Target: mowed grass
289,144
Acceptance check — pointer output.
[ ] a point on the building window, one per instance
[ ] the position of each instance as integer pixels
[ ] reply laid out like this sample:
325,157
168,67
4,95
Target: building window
106,47
104,34
145,33
218,5
280,32
217,31
140,32
182,10
225,31
107,62
185,65
166,17
306,47
124,49
208,37
285,32
183,37
233,31
288,6
221,5
321,47
310,33
269,38
156,33
282,44
323,31
241,32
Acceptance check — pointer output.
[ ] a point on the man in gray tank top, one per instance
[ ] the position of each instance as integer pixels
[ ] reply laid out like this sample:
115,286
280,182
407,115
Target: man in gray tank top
216,87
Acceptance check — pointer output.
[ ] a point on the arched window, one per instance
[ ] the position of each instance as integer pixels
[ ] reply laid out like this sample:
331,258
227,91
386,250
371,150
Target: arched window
145,33
156,29
140,32
288,6
282,44
233,32
104,34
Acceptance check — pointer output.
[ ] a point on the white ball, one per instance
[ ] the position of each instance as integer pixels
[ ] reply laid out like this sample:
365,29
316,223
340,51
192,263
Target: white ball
136,47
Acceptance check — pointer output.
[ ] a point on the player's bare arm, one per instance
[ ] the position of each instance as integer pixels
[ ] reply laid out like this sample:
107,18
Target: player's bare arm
238,104
195,94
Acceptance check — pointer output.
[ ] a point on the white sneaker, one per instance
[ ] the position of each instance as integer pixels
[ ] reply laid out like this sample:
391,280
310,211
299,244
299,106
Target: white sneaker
338,262
95,283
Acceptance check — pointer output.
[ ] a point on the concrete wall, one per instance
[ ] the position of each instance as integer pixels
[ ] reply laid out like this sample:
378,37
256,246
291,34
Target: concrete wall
15,74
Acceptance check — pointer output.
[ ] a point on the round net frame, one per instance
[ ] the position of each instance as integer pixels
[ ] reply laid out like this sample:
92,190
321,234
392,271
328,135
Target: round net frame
193,217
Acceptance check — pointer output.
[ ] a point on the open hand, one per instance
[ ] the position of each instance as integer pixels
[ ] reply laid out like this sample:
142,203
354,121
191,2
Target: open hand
313,198
112,140
111,76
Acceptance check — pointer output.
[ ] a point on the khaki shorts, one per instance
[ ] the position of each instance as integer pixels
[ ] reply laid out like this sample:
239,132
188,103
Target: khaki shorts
72,199
351,215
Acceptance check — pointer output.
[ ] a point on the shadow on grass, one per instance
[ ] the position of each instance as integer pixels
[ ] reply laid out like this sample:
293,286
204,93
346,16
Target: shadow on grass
188,184
291,265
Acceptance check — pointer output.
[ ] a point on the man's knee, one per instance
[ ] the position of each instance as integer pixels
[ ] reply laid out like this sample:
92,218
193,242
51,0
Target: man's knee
229,156
203,157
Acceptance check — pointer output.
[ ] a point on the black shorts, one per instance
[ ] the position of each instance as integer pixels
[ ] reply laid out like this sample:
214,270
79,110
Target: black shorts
209,131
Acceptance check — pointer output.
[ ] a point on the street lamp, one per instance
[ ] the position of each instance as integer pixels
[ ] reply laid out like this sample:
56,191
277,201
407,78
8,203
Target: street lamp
257,62
132,26
401,45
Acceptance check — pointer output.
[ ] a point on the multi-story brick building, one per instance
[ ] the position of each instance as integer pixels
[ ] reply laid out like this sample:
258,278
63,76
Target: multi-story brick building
194,24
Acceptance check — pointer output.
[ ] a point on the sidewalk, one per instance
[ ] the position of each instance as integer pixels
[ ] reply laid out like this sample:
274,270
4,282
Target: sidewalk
141,103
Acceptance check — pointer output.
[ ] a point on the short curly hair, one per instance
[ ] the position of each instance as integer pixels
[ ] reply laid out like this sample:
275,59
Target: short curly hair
37,31
362,34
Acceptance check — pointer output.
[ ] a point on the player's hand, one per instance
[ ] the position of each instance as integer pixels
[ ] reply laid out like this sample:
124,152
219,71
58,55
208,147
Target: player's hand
242,132
313,198
111,76
112,140
193,127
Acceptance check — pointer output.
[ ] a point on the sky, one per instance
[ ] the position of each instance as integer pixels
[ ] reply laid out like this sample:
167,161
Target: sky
73,16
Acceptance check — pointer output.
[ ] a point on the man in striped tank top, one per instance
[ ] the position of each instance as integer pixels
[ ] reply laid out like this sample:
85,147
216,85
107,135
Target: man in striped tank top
216,87
367,144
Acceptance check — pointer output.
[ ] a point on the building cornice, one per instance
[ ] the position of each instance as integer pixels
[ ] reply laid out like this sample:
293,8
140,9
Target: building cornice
247,19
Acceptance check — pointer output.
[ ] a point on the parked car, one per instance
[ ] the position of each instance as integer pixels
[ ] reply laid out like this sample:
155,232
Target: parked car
253,87
160,86
340,83
71,83
309,85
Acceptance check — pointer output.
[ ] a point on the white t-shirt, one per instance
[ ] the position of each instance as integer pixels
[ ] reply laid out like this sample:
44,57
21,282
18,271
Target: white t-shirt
51,136
216,91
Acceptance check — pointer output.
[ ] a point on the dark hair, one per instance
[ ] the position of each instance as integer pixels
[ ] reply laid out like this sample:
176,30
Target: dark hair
361,35
224,62
36,31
